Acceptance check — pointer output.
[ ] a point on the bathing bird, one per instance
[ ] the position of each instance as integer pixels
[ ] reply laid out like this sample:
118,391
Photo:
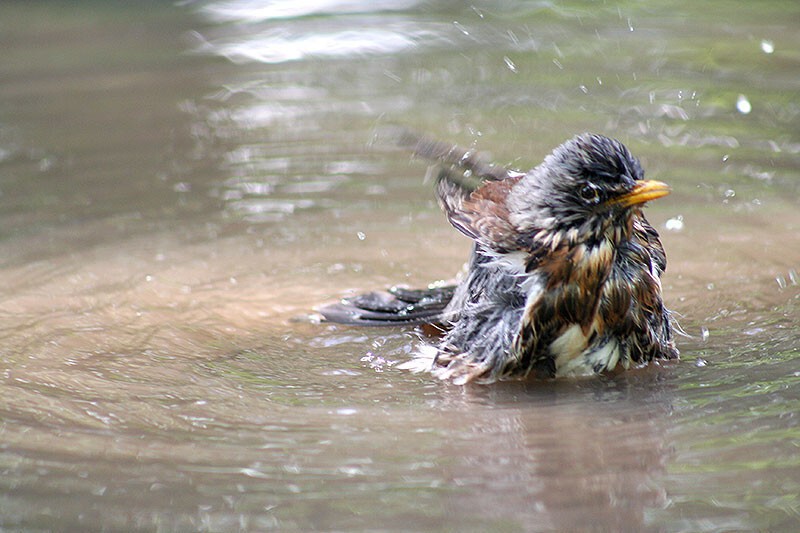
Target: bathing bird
564,277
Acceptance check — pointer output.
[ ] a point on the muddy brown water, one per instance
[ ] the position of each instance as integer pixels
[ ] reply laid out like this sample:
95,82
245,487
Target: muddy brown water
180,182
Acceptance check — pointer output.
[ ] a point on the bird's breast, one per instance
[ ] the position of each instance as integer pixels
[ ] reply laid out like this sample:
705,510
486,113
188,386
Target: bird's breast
563,315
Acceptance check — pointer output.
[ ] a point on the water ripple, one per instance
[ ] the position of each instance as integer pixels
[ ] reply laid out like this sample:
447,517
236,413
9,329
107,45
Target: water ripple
277,46
258,11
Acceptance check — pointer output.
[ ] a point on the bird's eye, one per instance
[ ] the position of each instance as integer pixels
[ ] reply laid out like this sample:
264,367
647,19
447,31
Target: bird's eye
590,194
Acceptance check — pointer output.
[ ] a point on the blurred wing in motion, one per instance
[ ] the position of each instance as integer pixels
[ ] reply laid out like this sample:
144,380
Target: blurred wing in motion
470,188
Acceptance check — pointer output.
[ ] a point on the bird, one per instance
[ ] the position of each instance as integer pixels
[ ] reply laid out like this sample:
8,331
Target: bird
564,276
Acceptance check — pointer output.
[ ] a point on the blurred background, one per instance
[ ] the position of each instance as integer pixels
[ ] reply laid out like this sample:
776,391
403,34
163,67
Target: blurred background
182,182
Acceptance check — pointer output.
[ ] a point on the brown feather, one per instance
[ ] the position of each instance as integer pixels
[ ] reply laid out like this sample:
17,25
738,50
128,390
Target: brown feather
482,215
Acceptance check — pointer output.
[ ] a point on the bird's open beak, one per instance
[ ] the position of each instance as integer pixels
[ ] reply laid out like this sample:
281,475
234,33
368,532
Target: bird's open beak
643,191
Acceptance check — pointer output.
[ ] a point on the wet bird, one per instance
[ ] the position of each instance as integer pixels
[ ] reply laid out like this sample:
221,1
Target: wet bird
564,275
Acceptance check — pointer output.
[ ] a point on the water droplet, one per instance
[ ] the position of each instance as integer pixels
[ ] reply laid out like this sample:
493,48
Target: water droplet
361,235
557,63
700,362
351,471
710,286
781,282
743,105
46,164
730,193
510,64
793,278
346,411
767,46
725,158
392,76
583,89
674,224
704,333
377,343
460,28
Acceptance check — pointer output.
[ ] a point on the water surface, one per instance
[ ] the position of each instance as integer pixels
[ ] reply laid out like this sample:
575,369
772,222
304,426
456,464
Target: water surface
179,183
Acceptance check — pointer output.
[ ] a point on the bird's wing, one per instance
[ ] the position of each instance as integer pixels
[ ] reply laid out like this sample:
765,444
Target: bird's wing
481,214
396,307
471,189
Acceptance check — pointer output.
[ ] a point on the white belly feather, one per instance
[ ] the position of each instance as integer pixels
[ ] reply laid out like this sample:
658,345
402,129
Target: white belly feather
575,358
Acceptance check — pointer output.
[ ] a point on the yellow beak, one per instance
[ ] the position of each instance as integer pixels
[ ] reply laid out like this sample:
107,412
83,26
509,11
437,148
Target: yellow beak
644,191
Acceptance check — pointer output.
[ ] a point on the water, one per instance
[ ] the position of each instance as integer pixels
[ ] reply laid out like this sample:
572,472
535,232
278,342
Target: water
179,183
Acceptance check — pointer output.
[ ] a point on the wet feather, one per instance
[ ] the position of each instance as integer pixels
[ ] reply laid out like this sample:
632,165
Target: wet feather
564,277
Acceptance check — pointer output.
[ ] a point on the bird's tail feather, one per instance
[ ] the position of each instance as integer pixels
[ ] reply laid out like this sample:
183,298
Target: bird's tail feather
396,307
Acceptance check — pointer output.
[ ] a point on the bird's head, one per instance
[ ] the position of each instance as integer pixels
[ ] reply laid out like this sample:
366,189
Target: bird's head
582,189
